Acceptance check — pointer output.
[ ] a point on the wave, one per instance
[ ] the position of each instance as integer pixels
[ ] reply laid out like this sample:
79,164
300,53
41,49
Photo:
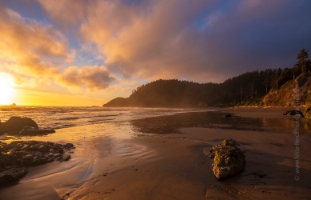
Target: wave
70,118
64,117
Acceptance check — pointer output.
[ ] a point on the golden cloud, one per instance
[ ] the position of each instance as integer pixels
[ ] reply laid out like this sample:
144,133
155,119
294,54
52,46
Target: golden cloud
178,38
150,39
33,51
28,44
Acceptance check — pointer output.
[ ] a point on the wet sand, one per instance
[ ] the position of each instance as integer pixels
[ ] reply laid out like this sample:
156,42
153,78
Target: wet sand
149,163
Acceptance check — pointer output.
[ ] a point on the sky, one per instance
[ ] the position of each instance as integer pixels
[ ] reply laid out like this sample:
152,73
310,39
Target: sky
87,52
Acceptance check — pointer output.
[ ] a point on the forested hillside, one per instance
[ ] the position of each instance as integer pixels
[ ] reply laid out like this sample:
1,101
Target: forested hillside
249,88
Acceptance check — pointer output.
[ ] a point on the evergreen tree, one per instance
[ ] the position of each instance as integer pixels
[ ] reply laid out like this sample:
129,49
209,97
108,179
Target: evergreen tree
302,59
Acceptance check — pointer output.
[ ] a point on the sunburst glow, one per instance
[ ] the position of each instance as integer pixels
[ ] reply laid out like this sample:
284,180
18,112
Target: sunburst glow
6,90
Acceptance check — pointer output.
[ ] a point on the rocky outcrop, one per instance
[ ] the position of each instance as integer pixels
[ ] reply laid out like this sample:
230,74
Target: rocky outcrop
294,112
229,160
307,110
16,124
287,94
22,126
30,131
12,176
17,155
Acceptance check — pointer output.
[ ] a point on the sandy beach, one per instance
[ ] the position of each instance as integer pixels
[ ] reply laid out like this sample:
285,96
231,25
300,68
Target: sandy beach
167,158
155,100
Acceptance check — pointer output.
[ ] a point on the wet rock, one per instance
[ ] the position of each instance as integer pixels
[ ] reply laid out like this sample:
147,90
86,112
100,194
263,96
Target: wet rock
293,112
259,174
66,157
69,146
30,131
19,154
229,160
58,157
12,176
22,126
15,124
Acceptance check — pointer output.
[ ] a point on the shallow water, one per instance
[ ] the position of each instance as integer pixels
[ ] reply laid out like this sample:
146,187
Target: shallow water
98,147
63,117
215,119
102,147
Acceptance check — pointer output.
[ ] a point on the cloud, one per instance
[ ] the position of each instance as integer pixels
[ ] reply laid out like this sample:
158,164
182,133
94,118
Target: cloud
92,77
30,44
68,12
201,40
37,54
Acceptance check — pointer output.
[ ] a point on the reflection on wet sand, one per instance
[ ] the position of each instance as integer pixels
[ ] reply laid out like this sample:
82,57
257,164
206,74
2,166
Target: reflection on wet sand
109,157
172,123
97,146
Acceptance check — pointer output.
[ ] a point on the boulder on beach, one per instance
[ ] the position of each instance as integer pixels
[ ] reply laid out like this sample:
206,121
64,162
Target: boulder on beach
15,124
229,160
22,126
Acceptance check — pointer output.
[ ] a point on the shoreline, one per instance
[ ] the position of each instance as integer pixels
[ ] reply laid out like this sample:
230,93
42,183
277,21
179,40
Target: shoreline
110,162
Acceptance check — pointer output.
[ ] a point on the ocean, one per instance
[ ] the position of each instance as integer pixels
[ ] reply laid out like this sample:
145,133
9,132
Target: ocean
107,142
64,117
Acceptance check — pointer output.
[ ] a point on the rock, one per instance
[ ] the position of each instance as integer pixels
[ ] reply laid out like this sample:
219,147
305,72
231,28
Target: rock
19,154
259,174
58,157
12,176
69,146
66,157
293,112
29,131
15,124
229,160
227,115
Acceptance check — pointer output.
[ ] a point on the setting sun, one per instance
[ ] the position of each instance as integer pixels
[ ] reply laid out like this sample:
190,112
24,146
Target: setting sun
6,90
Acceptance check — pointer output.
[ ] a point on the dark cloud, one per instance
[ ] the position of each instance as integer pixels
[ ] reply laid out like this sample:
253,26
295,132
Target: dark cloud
198,40
91,77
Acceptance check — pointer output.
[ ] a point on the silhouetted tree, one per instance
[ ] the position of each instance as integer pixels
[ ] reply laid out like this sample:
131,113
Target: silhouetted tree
302,59
243,89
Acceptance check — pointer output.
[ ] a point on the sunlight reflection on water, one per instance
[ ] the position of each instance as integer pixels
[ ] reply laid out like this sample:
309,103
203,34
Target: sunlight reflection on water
95,145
